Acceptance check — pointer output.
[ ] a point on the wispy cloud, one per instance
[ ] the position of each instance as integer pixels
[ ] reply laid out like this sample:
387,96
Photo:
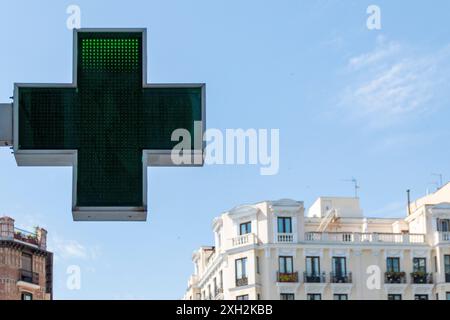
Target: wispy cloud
392,83
72,249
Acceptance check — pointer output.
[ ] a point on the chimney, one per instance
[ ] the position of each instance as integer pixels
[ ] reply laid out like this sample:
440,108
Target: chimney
7,228
409,201
42,237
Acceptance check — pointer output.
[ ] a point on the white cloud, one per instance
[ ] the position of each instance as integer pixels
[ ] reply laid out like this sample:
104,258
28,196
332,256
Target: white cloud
391,83
72,249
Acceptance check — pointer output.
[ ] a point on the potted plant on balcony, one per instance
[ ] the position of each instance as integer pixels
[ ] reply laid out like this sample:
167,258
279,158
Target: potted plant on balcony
394,277
419,277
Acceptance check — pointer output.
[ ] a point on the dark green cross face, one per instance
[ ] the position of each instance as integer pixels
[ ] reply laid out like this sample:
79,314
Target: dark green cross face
109,117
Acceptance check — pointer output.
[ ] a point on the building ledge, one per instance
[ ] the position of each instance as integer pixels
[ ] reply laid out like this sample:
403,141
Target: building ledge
28,285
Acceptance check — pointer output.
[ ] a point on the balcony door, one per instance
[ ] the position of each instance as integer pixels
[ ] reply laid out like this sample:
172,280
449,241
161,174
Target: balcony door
285,264
339,266
245,228
312,266
393,264
420,265
447,268
241,272
444,225
284,224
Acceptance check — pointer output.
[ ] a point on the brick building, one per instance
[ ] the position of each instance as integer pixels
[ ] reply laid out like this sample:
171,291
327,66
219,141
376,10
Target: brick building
25,264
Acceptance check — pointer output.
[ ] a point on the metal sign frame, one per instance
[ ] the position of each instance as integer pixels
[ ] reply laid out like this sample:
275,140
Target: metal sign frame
70,157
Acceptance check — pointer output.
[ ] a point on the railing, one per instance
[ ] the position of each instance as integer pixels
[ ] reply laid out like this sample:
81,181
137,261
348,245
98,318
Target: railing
358,237
442,236
287,277
394,277
244,239
341,277
218,291
314,277
421,278
28,276
285,237
242,282
25,236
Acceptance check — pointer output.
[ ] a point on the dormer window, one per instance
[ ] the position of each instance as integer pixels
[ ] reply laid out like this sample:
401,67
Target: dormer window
284,225
245,228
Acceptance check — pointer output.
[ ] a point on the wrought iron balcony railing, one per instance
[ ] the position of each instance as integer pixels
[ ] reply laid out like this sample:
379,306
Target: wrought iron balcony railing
287,277
421,278
341,277
241,282
394,277
314,277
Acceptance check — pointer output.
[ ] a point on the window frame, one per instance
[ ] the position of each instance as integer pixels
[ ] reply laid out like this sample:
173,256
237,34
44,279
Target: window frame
286,265
390,267
245,228
282,225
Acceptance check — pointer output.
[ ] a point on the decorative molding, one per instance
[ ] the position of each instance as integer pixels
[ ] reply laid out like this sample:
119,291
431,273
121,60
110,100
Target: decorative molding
243,212
422,288
341,288
287,252
315,288
307,252
395,288
398,253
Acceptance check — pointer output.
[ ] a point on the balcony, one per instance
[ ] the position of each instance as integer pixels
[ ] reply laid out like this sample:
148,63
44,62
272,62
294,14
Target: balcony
394,277
245,239
285,237
341,277
28,276
358,237
314,277
242,282
26,236
421,278
442,236
291,277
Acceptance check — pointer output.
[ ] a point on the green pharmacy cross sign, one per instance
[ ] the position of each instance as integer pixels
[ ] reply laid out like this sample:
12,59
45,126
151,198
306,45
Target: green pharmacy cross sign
109,124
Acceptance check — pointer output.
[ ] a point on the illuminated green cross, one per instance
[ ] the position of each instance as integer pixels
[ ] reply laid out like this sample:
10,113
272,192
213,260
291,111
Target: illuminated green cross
109,124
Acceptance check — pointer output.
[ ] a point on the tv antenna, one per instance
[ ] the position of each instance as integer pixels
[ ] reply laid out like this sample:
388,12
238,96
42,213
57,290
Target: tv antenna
355,185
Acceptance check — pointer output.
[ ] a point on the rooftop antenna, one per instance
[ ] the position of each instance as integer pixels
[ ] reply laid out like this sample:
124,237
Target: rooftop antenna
440,178
355,184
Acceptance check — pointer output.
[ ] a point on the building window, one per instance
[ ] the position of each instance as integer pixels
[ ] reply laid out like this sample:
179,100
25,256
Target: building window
241,272
447,267
257,264
313,296
258,296
421,297
221,279
339,266
209,292
284,225
285,264
420,265
392,264
27,262
287,296
216,292
444,225
394,297
312,269
245,228
340,296
447,295
27,296
243,297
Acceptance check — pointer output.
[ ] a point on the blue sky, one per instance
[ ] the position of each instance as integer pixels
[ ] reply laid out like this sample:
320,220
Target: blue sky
348,101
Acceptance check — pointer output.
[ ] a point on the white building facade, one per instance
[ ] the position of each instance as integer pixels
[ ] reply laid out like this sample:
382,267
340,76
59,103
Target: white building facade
273,250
